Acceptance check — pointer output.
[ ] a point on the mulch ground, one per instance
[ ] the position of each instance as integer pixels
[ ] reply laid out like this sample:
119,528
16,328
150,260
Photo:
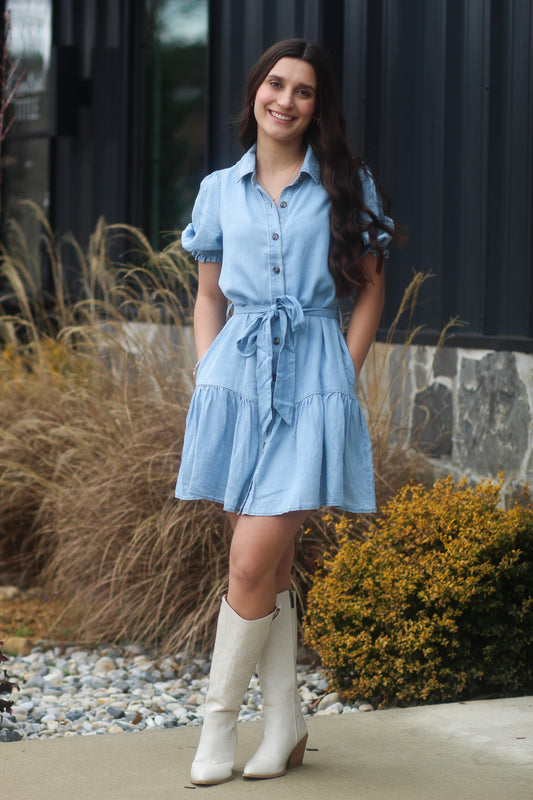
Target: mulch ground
30,615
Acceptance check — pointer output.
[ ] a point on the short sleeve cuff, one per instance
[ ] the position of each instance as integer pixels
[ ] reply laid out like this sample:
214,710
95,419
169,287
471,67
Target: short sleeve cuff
206,258
382,243
203,236
374,203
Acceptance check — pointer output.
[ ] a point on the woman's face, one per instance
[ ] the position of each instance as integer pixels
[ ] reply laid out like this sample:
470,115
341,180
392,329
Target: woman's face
285,102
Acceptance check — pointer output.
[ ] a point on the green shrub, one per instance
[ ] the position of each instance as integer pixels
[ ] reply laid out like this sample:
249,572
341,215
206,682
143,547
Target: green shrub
435,605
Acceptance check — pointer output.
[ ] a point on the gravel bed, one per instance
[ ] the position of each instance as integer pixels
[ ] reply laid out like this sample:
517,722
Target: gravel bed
76,692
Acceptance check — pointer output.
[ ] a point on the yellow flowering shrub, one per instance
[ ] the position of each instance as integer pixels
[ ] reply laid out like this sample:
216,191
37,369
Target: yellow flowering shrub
435,605
46,359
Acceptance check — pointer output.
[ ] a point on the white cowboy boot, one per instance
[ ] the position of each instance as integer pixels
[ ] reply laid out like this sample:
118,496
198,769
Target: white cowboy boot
285,736
238,645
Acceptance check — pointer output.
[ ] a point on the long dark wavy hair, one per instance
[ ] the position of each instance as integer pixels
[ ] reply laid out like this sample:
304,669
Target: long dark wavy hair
339,169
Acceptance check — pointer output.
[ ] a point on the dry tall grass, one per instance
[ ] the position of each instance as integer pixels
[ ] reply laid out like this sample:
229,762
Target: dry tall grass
95,384
92,419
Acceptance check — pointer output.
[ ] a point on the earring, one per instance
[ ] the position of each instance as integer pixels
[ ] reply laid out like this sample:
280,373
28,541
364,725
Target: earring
316,120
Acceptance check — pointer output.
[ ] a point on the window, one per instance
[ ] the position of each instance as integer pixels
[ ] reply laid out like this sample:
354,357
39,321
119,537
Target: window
173,136
26,151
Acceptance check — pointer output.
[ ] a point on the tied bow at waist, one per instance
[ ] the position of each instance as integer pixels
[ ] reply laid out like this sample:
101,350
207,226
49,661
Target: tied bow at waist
257,340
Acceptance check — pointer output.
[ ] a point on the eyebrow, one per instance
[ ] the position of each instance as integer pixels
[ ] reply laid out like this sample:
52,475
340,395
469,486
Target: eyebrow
300,85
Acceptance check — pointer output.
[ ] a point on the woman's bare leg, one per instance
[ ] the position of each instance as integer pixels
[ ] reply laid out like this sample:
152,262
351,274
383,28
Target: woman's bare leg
261,556
283,574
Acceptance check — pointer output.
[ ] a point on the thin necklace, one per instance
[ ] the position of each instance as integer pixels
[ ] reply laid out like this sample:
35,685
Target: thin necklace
276,197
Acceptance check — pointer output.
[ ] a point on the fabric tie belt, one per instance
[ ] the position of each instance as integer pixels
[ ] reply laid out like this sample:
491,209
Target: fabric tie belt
257,339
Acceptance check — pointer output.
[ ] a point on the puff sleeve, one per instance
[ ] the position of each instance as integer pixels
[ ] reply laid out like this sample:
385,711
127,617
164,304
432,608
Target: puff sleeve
203,236
374,203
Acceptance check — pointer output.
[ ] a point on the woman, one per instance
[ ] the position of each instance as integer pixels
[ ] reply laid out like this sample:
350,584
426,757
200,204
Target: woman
274,428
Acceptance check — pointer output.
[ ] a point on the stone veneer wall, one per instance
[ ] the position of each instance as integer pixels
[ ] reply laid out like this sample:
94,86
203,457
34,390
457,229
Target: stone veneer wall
470,411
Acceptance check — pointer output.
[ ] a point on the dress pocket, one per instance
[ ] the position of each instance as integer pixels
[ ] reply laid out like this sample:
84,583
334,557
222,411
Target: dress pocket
210,353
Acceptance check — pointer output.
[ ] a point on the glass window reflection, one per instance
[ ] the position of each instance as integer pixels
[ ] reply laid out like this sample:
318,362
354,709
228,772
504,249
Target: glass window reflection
26,150
173,143
30,44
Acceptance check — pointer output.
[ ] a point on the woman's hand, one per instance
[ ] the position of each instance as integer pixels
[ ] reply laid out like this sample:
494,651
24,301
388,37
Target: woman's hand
366,313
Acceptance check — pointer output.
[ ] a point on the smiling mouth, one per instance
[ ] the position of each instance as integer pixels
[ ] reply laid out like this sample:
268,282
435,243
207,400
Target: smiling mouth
282,117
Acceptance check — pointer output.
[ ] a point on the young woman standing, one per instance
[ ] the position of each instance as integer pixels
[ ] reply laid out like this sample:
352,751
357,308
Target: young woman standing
274,428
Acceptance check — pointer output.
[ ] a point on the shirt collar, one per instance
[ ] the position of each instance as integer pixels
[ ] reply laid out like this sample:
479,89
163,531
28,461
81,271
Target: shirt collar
246,166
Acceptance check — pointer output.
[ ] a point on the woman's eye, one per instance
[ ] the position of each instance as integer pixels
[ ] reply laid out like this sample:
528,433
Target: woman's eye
274,83
305,92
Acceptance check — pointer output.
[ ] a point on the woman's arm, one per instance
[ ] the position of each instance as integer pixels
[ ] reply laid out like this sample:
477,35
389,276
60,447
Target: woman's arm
366,313
210,307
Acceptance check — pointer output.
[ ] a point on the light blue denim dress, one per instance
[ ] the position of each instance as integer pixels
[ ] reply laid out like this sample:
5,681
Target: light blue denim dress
274,424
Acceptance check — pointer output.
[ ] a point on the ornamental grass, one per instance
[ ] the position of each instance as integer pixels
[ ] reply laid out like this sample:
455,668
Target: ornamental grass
95,382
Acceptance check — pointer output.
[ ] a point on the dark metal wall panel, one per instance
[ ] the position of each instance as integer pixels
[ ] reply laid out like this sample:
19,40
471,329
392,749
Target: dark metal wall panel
466,158
111,109
227,43
471,175
404,140
312,15
509,251
354,71
430,123
446,114
520,127
93,170
72,175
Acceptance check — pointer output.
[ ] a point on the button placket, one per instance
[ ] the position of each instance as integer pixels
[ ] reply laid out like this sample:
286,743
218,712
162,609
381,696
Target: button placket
277,278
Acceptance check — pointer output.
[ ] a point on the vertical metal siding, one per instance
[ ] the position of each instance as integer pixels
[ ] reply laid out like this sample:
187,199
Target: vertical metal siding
471,140
354,71
431,132
509,253
405,143
93,170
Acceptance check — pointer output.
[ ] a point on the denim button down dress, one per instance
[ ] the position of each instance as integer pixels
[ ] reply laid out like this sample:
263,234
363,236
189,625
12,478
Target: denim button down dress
274,424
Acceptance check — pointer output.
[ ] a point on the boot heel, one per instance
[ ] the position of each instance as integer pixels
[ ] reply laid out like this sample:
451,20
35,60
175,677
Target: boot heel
297,755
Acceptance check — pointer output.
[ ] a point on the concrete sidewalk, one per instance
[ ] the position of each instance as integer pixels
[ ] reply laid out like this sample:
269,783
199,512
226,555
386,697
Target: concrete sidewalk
481,750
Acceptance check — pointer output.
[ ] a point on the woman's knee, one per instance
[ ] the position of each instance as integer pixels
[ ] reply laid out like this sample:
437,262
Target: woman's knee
251,573
261,548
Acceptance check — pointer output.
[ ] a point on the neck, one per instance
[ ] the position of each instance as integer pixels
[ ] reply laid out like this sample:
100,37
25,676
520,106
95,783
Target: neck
272,157
276,167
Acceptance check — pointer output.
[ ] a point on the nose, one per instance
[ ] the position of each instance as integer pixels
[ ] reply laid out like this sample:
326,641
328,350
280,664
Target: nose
285,98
